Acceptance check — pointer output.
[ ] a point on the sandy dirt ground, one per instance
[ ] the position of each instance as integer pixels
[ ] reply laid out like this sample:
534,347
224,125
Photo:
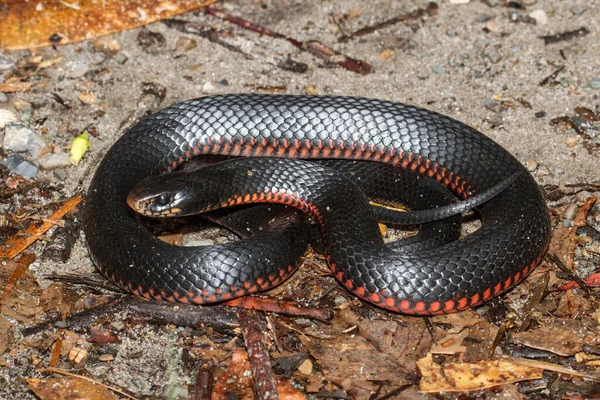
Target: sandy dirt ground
479,63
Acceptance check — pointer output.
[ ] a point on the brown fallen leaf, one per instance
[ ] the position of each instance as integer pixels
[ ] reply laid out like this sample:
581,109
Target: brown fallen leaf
25,24
352,362
67,387
461,377
564,337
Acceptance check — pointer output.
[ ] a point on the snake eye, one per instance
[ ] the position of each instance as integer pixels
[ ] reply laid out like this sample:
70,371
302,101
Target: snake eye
163,199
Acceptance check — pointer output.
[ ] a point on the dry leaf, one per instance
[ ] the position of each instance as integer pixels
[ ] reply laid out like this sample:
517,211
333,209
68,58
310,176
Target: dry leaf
67,387
460,377
27,24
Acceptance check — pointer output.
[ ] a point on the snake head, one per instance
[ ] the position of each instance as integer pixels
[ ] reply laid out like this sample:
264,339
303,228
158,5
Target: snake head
161,196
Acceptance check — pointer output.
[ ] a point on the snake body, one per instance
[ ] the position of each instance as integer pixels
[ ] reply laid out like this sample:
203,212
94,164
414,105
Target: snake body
458,275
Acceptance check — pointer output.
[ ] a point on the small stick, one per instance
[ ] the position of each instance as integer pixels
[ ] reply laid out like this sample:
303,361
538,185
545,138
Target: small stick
313,47
252,329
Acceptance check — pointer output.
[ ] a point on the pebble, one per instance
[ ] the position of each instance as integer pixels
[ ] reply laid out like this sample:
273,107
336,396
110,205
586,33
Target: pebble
7,117
571,141
121,58
106,357
6,63
21,104
185,44
492,3
543,171
209,87
3,97
60,174
495,120
493,26
16,164
451,33
571,211
61,324
531,165
578,9
88,97
483,18
540,114
582,196
459,1
54,160
107,45
423,74
594,83
79,70
20,138
493,55
491,104
439,68
539,16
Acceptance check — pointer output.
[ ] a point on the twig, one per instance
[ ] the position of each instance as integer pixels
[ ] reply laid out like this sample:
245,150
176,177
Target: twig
266,385
280,307
24,238
313,47
418,13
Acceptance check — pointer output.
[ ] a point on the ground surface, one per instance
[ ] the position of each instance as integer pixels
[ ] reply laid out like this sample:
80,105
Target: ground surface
471,62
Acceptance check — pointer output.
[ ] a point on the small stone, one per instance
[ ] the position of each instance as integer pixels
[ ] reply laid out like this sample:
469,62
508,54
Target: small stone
559,171
492,3
79,71
540,114
3,97
21,104
439,68
571,211
61,324
121,58
306,368
7,117
54,160
578,9
493,26
514,16
423,74
6,63
459,1
107,45
495,120
539,16
60,174
20,138
338,300
493,55
17,165
310,89
594,83
451,33
185,44
543,171
571,141
531,165
106,357
491,105
483,18
209,87
387,55
88,97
